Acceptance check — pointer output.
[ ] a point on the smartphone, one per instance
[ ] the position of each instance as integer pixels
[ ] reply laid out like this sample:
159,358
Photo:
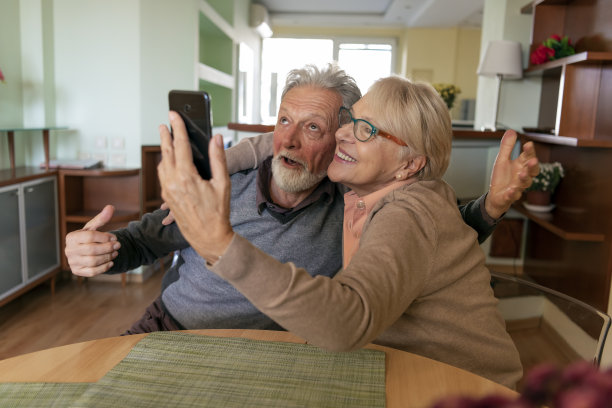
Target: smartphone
194,108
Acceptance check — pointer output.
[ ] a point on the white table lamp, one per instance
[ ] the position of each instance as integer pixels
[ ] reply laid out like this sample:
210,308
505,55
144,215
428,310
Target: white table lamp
503,60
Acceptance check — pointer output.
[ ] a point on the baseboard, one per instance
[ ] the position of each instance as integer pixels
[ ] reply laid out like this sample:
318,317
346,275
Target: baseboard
523,324
559,341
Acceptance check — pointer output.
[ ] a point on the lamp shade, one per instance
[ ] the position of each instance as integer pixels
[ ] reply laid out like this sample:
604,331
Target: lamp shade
502,58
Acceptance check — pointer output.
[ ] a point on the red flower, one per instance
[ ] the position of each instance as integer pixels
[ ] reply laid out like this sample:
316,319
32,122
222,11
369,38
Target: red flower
542,54
1,76
556,37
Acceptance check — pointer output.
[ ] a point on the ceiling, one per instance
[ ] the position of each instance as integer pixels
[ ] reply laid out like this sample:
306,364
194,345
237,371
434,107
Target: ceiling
380,13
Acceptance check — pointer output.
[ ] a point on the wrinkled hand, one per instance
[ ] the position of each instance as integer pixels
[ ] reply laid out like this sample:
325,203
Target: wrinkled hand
510,177
91,252
200,207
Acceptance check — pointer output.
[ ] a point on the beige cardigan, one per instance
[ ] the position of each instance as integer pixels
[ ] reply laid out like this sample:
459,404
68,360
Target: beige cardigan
417,283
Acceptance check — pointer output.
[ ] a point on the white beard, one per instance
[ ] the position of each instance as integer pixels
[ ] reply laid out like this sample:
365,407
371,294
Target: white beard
294,180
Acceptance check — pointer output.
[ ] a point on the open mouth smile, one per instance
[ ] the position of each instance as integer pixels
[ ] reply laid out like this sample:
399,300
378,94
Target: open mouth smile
345,157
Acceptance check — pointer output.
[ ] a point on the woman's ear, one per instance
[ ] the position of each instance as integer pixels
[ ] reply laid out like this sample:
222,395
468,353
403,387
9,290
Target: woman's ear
414,166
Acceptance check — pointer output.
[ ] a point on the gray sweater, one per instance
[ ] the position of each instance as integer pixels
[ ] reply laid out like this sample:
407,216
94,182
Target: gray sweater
197,298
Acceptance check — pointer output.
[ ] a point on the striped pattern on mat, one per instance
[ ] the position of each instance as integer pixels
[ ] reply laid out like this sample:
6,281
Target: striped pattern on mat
40,395
168,369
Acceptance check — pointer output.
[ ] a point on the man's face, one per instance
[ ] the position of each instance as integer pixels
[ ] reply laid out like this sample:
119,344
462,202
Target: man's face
304,140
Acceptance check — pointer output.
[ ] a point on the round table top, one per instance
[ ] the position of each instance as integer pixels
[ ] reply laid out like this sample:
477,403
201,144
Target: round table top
411,380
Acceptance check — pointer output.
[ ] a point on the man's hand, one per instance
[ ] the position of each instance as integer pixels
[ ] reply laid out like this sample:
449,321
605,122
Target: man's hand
170,217
510,177
200,207
91,252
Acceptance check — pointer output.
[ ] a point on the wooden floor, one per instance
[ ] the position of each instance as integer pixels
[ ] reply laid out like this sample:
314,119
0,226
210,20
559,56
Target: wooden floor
77,312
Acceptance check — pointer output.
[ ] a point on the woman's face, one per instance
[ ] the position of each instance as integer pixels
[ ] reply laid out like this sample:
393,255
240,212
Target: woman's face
367,166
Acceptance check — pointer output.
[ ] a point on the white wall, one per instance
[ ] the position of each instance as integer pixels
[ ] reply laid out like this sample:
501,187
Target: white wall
168,55
97,79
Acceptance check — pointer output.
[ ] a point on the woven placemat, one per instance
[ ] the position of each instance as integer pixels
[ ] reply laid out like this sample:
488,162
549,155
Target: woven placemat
40,395
169,369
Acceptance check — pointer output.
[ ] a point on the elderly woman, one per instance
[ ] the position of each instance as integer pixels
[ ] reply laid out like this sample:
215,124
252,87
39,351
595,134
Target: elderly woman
414,276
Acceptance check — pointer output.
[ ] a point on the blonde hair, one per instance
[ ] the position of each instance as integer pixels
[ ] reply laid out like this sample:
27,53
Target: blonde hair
415,113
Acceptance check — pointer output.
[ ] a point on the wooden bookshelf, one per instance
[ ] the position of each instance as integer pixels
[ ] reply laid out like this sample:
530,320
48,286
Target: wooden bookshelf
570,248
84,193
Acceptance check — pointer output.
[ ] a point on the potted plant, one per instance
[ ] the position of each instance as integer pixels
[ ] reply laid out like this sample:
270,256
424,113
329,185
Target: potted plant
544,184
448,92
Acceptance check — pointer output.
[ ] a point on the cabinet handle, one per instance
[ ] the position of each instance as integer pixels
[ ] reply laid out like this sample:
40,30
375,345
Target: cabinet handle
29,189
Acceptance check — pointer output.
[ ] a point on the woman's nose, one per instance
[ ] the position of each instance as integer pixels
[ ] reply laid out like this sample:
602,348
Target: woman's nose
345,132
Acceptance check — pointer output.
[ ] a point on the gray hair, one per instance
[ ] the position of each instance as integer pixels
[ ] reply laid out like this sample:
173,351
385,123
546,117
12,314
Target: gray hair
329,77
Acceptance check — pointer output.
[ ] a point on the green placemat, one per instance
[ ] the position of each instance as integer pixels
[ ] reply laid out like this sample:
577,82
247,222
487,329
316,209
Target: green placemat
168,369
40,395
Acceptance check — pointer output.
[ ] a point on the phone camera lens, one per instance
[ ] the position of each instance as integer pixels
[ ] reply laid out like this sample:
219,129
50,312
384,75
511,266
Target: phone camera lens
187,108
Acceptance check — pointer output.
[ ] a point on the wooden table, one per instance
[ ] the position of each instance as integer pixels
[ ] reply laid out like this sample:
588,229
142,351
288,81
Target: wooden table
411,380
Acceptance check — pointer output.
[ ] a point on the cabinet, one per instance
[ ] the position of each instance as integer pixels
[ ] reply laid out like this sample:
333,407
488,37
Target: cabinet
83,194
151,189
29,238
570,249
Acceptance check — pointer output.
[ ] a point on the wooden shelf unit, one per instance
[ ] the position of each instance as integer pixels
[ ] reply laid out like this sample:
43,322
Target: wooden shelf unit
570,249
84,193
150,156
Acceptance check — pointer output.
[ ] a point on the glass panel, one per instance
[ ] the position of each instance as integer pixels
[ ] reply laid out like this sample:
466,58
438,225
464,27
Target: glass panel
41,229
279,56
365,62
10,247
246,70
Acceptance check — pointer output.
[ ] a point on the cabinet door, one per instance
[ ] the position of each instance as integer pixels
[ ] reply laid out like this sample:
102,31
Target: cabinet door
10,240
40,210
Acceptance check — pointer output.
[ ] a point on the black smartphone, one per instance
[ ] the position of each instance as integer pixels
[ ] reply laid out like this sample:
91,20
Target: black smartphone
194,108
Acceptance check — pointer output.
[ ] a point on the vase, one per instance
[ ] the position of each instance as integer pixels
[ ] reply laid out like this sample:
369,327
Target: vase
541,198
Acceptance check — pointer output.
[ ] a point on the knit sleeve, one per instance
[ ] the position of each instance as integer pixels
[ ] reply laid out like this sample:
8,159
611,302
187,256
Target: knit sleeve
475,215
365,298
249,153
144,241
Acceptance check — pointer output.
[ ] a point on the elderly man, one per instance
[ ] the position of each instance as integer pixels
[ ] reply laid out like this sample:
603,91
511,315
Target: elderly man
287,207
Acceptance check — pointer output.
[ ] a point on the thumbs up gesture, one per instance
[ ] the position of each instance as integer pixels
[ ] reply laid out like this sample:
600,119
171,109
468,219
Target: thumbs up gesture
91,252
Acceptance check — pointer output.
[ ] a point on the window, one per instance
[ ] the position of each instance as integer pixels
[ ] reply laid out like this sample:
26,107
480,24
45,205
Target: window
364,60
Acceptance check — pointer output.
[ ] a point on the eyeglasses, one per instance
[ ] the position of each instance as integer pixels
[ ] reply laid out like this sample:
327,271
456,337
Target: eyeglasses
362,129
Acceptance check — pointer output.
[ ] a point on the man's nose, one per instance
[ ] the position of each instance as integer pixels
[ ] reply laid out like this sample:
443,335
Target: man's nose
291,138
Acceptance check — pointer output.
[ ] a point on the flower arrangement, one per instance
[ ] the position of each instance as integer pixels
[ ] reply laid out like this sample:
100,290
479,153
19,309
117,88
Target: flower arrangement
548,178
580,384
448,92
552,48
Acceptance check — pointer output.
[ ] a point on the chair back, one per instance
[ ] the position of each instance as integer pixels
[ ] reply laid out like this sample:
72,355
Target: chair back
549,326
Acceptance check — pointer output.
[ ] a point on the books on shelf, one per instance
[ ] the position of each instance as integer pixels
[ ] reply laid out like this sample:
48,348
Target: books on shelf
73,164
